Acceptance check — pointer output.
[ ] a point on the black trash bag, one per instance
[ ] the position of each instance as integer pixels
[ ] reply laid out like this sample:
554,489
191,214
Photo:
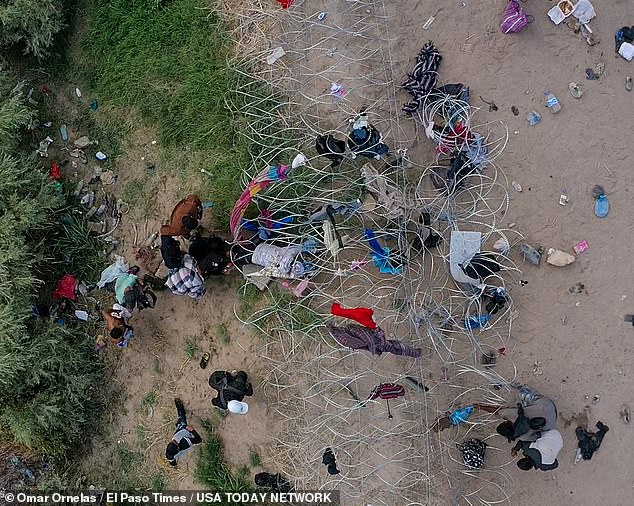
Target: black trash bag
473,453
330,147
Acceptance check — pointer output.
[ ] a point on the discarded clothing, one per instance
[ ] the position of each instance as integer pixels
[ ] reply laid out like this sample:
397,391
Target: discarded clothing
589,442
273,482
191,207
279,261
422,79
380,255
357,337
331,148
460,415
229,387
365,140
473,453
113,271
285,3
329,459
389,197
425,237
171,252
481,266
187,280
363,315
123,285
66,288
345,209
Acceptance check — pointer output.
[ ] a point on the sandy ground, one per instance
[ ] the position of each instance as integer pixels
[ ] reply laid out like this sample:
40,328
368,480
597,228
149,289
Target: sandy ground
583,145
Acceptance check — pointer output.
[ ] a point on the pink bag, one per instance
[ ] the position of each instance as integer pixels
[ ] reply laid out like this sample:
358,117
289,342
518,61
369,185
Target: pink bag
514,18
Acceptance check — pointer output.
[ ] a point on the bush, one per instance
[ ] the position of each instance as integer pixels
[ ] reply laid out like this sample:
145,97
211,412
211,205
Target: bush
48,372
31,23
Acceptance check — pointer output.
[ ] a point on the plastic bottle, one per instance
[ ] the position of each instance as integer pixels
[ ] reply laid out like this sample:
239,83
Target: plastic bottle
551,101
533,118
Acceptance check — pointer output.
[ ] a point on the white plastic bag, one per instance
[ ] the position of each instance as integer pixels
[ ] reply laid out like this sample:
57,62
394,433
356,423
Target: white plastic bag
627,51
584,11
113,271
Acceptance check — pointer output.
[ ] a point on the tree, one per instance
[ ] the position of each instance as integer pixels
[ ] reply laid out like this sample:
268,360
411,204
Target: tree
32,23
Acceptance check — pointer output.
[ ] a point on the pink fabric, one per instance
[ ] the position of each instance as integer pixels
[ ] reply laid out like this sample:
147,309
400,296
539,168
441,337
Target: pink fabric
362,315
285,3
66,288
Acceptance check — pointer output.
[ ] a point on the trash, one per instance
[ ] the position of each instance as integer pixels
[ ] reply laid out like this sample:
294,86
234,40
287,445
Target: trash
82,315
629,318
43,147
83,142
277,53
563,199
476,321
515,110
533,118
627,51
48,124
78,153
78,92
578,288
532,255
581,247
575,91
557,14
584,11
298,161
551,102
559,258
321,16
55,173
207,205
601,206
591,75
537,368
625,413
337,90
78,188
516,186
492,106
429,22
107,178
100,156
628,83
502,245
63,133
514,18
93,104
596,399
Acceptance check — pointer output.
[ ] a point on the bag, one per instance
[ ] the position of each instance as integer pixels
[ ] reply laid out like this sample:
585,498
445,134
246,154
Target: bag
387,391
473,453
514,18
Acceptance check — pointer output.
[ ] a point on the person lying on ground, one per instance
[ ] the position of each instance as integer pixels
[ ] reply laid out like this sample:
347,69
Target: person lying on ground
231,386
541,453
213,251
540,413
273,482
171,252
188,279
185,217
129,292
184,438
117,326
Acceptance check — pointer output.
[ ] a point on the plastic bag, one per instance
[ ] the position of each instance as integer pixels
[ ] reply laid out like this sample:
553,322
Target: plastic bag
113,271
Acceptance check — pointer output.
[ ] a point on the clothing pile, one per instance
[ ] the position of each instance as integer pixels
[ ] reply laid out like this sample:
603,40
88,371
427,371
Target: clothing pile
357,337
589,442
422,79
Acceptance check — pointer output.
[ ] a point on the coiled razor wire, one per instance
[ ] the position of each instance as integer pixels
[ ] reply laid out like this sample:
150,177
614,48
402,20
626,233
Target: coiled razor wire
317,388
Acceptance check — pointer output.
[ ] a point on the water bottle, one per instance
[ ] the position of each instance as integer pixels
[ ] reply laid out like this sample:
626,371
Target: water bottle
551,102
533,118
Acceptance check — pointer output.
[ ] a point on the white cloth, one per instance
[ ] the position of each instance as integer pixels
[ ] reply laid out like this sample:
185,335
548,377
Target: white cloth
274,257
112,272
549,446
627,51
584,11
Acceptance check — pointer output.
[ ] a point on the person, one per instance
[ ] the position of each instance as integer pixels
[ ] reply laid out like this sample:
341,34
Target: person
538,411
277,261
540,454
184,217
184,438
230,387
129,292
188,279
213,252
273,482
117,325
171,252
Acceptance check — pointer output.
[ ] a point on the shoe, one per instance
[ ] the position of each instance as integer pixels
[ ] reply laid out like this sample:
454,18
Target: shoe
179,404
601,206
204,360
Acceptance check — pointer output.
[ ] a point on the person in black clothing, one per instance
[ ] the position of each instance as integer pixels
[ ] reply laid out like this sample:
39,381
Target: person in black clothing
171,252
230,387
212,254
273,482
184,438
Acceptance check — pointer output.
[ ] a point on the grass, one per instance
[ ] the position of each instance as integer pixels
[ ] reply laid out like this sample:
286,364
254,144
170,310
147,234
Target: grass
150,398
134,192
191,348
169,61
222,331
212,471
250,297
143,435
254,458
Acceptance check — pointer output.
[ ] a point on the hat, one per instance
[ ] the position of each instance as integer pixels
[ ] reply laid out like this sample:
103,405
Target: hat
237,407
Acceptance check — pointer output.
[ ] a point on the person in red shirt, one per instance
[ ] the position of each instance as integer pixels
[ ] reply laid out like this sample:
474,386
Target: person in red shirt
184,218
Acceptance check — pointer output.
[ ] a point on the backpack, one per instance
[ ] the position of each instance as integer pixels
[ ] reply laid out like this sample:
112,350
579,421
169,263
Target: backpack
514,18
473,453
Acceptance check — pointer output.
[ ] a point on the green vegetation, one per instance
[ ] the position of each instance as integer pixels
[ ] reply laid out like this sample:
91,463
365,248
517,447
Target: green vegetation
150,398
212,470
170,61
30,24
254,458
223,333
191,348
49,373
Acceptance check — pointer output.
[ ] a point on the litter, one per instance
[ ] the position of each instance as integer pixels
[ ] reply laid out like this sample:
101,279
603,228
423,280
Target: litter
575,91
43,147
78,92
533,118
627,51
515,110
100,156
502,245
591,75
337,90
584,11
516,186
93,104
82,315
563,199
275,55
321,16
429,22
601,206
63,133
514,19
628,83
83,142
581,247
78,153
559,258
